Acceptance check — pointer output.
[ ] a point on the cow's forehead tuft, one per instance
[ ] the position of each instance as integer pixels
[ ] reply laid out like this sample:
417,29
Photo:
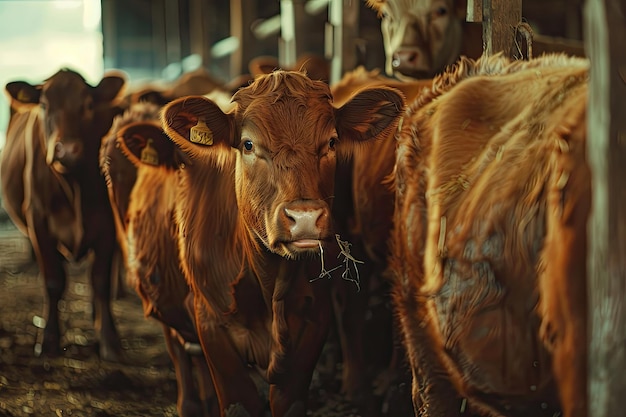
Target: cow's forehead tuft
291,86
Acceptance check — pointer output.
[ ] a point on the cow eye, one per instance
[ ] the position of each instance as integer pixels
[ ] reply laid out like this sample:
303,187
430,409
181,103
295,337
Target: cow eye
441,11
331,143
248,145
43,106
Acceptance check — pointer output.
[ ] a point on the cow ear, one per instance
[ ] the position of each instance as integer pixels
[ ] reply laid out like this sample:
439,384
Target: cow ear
110,87
146,143
262,65
24,93
370,114
196,124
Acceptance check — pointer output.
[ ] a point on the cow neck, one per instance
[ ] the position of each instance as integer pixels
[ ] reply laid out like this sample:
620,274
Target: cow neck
272,272
71,189
209,228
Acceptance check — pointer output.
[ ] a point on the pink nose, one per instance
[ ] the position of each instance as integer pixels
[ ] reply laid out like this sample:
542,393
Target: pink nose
405,59
303,223
67,152
306,219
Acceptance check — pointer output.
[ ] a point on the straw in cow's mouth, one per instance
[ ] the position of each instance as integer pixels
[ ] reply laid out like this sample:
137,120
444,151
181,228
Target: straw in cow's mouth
349,262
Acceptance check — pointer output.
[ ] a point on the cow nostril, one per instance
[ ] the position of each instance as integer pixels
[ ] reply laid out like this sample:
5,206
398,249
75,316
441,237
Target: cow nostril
59,150
403,58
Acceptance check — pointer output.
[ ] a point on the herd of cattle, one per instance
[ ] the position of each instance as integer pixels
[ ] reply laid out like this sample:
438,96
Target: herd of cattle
252,222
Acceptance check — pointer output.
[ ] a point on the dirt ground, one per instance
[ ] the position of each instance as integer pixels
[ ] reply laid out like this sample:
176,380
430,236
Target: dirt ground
78,383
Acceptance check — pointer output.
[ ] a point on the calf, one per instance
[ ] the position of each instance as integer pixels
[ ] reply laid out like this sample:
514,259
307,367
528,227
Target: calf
54,192
488,246
255,194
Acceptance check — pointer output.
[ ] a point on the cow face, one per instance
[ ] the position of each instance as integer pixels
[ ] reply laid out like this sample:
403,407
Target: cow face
421,37
74,116
285,134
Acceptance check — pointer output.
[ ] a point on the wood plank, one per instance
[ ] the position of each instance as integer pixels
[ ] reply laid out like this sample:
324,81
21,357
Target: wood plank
474,11
605,28
500,17
242,14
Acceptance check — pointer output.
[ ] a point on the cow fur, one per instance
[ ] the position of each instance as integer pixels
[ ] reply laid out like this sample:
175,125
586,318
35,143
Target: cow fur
488,255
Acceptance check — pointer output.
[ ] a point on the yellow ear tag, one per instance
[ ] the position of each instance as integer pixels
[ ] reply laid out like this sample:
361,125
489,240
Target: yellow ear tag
149,155
201,133
23,96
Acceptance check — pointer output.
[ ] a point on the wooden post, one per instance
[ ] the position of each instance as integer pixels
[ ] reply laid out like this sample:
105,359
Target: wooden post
242,14
500,18
605,32
474,11
340,37
291,15
199,37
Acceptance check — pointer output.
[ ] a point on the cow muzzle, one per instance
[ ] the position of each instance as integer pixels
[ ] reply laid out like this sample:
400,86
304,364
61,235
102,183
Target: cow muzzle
65,154
303,224
411,62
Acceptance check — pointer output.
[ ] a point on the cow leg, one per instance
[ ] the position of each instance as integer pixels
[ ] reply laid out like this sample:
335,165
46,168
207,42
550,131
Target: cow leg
208,396
110,346
187,403
432,391
350,309
289,390
52,267
236,391
118,269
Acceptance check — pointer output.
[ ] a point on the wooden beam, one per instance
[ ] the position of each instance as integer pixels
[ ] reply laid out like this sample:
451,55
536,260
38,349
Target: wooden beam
500,18
474,11
605,31
242,15
341,35
200,41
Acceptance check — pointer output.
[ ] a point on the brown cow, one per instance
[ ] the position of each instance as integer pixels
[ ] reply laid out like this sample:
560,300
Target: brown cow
422,37
253,211
493,194
54,192
147,236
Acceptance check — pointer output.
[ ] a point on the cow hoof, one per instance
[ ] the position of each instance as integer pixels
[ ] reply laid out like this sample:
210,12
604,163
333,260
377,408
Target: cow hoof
236,410
297,409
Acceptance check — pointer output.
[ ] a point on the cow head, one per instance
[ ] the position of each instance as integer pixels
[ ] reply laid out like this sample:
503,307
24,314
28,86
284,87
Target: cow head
421,37
74,115
285,135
